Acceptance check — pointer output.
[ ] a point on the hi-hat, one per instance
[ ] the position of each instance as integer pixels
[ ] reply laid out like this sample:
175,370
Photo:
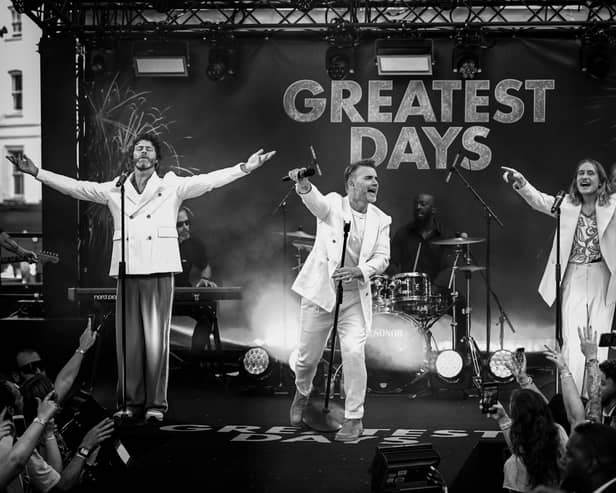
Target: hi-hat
469,268
299,235
303,245
458,240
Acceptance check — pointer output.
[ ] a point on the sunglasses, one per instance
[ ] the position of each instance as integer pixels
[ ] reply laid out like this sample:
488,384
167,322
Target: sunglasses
32,367
179,224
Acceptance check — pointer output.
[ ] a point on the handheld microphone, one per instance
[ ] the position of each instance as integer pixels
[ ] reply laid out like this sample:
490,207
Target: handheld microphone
557,201
452,168
304,173
123,177
315,161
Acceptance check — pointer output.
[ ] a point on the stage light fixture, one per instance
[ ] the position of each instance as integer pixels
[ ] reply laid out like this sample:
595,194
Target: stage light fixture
257,363
340,62
222,61
161,59
497,365
404,468
595,57
467,60
404,57
449,364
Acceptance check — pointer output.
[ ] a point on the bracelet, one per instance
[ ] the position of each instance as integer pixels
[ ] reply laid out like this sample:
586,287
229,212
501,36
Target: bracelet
80,351
50,437
527,381
40,421
505,425
566,374
244,169
80,455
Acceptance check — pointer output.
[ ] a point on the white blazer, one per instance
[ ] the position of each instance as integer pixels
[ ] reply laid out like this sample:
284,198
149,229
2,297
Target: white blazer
314,281
151,236
569,214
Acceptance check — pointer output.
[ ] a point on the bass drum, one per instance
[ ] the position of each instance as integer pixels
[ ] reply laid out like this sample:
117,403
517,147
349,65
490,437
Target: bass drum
396,349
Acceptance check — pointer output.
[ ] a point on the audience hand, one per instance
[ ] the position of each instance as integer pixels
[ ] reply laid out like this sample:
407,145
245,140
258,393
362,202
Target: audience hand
547,489
517,365
497,411
556,357
88,337
98,434
48,407
7,428
588,342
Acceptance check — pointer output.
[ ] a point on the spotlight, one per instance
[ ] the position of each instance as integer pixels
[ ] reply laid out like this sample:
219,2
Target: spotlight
340,62
467,60
595,57
404,56
222,61
498,365
161,58
101,61
257,363
449,364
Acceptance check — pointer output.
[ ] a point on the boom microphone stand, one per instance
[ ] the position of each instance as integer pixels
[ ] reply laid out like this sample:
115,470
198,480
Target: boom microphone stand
489,216
325,420
559,301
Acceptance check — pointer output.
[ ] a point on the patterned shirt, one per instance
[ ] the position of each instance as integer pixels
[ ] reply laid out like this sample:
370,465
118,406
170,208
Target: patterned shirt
585,249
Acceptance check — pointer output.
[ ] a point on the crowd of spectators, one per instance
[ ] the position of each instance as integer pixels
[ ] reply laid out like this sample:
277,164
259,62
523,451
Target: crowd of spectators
33,453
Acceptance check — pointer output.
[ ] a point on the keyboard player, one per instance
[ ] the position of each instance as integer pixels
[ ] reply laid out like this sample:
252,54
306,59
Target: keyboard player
197,272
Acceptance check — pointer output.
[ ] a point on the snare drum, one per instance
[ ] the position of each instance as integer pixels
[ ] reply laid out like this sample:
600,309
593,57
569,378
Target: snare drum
411,292
381,293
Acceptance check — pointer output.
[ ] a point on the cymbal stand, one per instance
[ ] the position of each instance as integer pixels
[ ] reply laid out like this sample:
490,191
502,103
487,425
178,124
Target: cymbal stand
472,344
451,286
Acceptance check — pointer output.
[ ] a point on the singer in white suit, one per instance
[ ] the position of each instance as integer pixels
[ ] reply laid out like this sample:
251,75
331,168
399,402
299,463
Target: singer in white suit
587,255
367,254
152,258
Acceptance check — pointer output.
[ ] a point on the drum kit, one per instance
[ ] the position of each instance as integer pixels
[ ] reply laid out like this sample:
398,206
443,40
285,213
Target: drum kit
412,320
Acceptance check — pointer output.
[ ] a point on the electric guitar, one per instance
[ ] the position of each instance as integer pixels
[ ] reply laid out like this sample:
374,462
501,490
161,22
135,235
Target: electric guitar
43,258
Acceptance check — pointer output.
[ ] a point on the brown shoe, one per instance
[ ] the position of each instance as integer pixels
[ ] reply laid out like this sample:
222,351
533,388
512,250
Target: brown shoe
298,405
351,430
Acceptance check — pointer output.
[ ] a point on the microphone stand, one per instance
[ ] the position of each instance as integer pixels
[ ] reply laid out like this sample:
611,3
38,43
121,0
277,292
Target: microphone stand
123,414
324,420
282,206
559,302
489,216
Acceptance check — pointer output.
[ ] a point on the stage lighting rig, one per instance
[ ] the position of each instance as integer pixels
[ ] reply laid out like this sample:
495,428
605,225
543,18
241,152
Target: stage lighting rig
340,56
468,54
222,60
449,365
595,53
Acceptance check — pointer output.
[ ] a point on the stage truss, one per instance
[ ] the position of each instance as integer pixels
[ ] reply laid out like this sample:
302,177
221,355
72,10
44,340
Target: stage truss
267,18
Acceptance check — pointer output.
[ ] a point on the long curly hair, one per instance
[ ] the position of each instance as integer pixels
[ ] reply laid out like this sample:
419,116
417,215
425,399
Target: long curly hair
534,437
604,190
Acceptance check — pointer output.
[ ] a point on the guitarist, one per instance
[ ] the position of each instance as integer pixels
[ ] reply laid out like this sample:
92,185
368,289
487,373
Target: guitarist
11,245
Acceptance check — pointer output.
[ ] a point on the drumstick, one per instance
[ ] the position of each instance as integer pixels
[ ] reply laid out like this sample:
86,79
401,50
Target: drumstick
417,257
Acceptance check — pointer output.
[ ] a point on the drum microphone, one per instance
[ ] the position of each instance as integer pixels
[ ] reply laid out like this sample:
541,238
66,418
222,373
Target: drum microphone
304,173
452,168
557,201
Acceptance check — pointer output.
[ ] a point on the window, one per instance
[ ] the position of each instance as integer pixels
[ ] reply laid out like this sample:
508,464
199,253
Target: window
16,22
16,89
18,176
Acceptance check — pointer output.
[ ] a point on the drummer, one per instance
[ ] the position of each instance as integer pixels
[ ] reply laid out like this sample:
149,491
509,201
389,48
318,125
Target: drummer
412,251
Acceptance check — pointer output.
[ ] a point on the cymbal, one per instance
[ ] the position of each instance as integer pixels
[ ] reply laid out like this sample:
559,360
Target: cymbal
470,268
299,234
302,246
458,240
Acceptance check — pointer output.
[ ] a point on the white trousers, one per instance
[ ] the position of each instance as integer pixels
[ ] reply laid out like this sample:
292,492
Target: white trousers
315,326
584,292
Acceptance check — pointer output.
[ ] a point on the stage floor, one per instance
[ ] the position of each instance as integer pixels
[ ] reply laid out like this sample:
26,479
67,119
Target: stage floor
216,438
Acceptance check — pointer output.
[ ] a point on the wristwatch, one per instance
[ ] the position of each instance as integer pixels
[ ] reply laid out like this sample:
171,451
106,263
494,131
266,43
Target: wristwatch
83,452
